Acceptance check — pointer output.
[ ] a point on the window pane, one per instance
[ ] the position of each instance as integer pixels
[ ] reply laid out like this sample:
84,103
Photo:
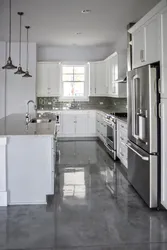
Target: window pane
67,78
79,78
79,88
67,70
79,70
68,89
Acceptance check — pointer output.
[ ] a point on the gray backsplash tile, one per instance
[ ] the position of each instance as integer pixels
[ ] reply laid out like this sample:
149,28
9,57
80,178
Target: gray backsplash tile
52,103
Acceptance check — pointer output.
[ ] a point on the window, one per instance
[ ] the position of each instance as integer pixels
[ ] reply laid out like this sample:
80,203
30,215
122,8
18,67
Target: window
73,81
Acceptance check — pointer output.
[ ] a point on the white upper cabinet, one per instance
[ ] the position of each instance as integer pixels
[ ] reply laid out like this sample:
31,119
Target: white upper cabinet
153,39
98,78
146,43
164,53
48,79
116,69
138,40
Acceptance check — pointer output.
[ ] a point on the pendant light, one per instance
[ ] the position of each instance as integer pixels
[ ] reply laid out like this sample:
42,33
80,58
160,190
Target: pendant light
9,64
27,72
19,70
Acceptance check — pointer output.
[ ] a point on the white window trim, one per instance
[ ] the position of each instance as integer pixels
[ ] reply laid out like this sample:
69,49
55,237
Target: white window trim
86,87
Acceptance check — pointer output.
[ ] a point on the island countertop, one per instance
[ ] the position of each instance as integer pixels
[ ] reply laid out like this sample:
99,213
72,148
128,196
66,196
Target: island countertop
15,125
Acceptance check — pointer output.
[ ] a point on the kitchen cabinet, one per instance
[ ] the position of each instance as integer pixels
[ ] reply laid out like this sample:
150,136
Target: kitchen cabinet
81,124
101,126
97,78
78,123
48,79
116,69
146,43
164,53
68,124
91,123
163,152
122,152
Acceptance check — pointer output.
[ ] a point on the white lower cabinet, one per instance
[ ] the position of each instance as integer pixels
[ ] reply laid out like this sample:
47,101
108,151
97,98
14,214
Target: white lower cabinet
122,152
163,153
78,124
101,126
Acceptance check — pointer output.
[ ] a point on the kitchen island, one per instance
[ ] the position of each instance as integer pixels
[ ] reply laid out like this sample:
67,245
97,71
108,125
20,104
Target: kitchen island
27,156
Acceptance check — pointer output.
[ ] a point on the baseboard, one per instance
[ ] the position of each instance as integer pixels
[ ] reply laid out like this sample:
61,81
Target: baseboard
3,199
94,138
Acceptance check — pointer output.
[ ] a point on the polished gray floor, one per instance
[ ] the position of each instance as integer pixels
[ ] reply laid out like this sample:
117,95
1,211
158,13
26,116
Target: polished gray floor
94,208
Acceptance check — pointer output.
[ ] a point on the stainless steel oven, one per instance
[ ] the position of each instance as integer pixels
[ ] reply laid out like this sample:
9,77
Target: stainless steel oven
111,141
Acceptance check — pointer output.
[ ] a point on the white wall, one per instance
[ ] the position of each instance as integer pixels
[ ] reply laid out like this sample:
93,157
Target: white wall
18,89
73,53
2,78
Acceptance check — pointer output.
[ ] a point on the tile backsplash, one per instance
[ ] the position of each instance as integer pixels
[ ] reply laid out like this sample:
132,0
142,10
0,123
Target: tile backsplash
52,103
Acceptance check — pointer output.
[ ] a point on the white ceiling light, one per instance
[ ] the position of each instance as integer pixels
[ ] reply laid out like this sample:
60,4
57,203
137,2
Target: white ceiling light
86,11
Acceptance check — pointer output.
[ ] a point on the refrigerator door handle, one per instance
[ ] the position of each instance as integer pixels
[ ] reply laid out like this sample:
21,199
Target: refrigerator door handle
159,107
144,158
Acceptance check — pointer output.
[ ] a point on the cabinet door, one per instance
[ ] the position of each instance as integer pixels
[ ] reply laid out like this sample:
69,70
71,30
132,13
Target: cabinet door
42,80
92,123
153,40
92,83
163,153
100,79
68,124
164,53
53,79
138,39
81,124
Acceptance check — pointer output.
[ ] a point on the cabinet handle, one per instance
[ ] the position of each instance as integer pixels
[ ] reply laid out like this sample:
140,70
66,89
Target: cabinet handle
160,116
159,86
122,126
122,138
122,154
95,90
142,55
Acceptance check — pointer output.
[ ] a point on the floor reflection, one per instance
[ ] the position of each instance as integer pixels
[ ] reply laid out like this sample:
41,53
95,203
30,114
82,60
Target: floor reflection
94,208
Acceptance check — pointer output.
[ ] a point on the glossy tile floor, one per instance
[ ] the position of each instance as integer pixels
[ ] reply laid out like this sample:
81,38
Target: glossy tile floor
94,208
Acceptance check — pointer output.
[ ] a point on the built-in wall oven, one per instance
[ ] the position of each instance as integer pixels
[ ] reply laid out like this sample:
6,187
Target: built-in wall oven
111,141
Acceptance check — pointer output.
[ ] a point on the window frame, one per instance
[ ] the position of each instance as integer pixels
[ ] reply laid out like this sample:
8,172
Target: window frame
86,83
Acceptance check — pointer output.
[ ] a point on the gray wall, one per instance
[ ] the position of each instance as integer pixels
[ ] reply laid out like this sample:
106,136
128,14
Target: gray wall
73,53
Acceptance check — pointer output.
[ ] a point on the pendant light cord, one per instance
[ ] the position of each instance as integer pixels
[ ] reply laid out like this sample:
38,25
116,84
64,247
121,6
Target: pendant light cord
20,44
27,49
10,24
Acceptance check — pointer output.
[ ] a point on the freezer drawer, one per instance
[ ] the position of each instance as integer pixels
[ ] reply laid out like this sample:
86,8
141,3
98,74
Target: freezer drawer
142,173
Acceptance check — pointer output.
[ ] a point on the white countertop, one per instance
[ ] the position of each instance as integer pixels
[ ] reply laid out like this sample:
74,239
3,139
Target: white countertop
15,125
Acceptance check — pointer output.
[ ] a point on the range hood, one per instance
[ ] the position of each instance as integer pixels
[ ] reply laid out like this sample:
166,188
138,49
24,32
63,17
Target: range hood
121,80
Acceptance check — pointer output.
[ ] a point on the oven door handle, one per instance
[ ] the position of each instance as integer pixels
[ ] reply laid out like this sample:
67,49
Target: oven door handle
144,158
111,150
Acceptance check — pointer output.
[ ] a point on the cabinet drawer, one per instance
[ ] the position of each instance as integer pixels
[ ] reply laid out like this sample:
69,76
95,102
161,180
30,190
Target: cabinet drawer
123,153
122,126
123,136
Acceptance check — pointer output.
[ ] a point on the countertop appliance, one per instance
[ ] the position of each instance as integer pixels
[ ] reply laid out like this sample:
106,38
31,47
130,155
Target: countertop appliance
111,140
144,132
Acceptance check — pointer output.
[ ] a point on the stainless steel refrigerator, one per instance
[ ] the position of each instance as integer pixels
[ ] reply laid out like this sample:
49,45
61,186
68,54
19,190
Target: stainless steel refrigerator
144,132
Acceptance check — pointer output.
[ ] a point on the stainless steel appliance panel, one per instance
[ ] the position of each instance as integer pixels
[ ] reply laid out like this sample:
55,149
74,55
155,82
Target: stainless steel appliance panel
142,107
142,173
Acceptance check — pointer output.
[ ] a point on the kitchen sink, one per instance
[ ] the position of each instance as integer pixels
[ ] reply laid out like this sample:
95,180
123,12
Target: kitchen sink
38,120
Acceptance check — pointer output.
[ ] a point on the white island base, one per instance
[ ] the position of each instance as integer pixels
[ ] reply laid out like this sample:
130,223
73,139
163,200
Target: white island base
30,169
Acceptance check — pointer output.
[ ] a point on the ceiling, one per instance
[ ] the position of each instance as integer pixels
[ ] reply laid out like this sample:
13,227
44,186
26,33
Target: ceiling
56,22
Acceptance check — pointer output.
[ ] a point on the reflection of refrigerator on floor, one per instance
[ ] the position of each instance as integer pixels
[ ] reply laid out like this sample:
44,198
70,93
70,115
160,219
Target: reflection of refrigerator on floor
144,132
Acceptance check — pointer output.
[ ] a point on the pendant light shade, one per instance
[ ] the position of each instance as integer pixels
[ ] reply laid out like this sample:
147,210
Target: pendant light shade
9,64
27,72
19,70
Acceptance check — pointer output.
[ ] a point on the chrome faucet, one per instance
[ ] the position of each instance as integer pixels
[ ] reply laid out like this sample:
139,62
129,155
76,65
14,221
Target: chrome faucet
28,117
